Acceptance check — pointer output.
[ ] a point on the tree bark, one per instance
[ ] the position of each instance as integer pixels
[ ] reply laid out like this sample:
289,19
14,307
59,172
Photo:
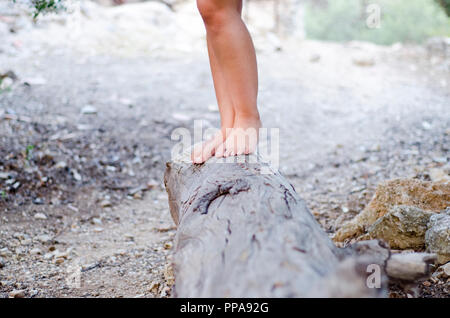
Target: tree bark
242,233
400,267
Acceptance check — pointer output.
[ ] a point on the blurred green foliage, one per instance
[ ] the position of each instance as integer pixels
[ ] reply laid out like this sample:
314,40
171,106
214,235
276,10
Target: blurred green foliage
43,6
401,21
446,5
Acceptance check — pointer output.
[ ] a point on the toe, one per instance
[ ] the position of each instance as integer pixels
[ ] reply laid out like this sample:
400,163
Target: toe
219,151
229,152
240,149
208,151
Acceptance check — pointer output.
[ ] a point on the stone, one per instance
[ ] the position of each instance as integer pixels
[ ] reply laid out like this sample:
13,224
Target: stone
5,252
105,204
44,238
168,245
446,269
2,263
97,221
89,110
40,216
36,251
425,195
17,294
154,286
437,237
439,175
6,83
403,227
364,61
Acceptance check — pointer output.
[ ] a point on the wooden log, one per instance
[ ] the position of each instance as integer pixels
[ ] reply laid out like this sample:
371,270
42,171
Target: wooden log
410,267
242,233
402,267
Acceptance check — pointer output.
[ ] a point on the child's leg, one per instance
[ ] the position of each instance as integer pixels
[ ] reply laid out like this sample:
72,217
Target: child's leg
233,55
226,110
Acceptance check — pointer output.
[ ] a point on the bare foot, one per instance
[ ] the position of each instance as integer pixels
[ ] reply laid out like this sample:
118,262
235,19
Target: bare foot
242,139
204,151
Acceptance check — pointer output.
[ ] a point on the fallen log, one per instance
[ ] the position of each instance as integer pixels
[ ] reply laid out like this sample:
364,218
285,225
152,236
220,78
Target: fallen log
400,267
241,233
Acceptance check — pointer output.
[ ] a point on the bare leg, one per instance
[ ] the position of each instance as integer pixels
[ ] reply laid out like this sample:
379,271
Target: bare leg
235,59
226,110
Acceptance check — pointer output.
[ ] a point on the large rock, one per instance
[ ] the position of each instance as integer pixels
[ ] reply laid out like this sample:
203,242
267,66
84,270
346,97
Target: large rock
403,227
428,196
438,236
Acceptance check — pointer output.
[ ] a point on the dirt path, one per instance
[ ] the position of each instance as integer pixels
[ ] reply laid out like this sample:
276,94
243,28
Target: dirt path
90,196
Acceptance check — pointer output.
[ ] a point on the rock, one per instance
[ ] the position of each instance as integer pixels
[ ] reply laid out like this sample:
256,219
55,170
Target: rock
138,195
154,287
403,227
89,110
439,175
44,238
437,237
445,269
6,83
17,294
48,256
76,175
105,204
39,201
2,263
364,61
4,175
40,216
181,117
151,184
97,221
5,252
16,185
439,46
168,245
314,58
425,195
426,125
60,165
25,242
35,251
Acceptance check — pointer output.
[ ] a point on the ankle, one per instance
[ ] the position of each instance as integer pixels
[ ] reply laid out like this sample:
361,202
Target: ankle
247,117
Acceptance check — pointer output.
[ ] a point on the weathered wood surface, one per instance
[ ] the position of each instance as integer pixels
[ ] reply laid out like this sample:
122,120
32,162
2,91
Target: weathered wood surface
246,234
402,267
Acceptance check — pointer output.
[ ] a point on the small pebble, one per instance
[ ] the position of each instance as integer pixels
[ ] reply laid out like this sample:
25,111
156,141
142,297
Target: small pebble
35,251
40,216
446,269
17,294
168,245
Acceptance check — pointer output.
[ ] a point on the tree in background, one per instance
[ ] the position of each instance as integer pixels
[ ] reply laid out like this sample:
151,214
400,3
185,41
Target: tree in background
446,5
401,21
42,6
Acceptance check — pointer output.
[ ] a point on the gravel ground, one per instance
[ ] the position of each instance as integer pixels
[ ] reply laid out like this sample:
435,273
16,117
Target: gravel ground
84,138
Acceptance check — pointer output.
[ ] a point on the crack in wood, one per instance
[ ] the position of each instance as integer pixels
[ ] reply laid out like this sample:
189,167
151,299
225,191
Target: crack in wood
232,187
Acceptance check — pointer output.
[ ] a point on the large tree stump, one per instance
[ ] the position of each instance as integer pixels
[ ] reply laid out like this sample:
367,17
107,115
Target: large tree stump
246,234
